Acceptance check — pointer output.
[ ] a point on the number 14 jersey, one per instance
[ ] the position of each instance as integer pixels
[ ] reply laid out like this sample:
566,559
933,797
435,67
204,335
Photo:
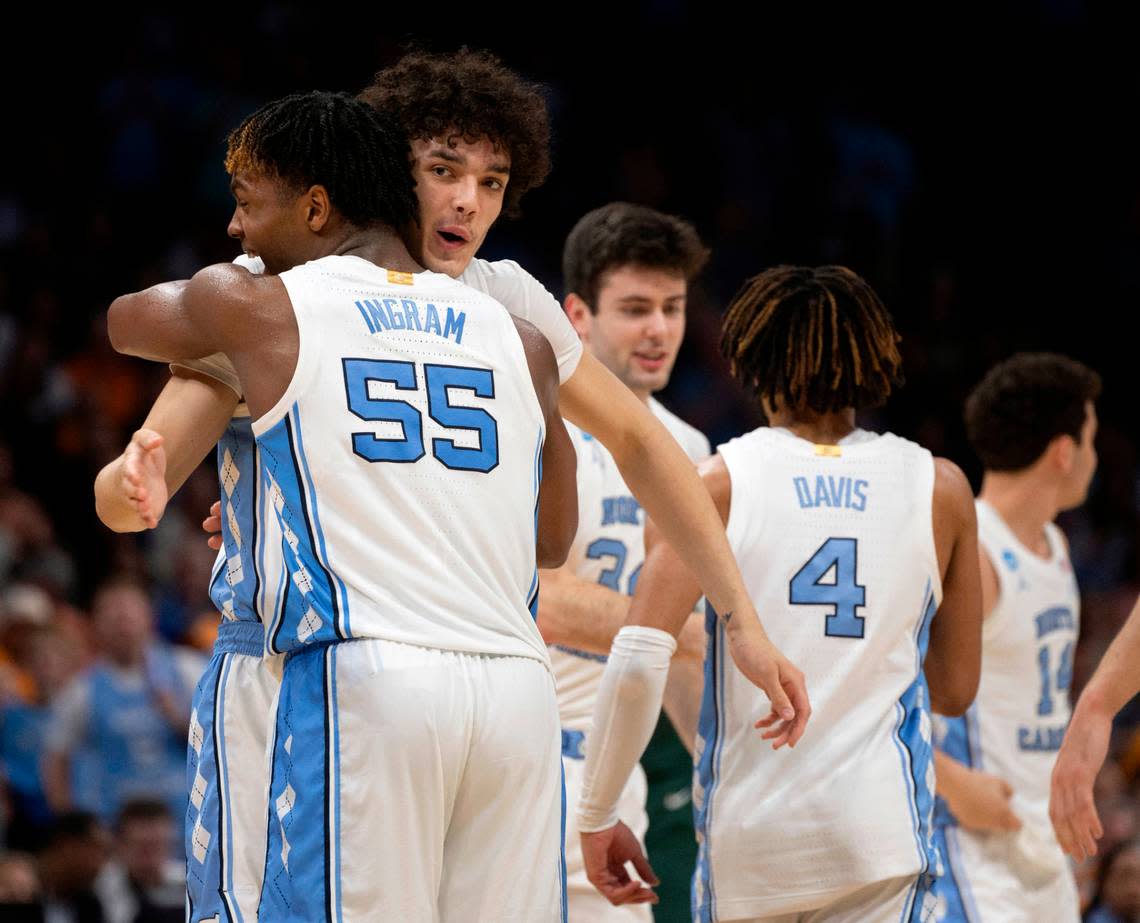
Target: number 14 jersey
836,547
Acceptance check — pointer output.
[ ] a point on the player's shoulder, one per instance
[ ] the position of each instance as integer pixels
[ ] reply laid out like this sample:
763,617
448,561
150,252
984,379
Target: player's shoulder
953,495
507,281
691,439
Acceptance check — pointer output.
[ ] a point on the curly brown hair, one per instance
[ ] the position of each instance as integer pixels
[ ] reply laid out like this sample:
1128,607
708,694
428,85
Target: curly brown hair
470,95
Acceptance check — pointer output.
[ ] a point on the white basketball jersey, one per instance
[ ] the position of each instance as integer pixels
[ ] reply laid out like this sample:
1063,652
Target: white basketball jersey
608,548
836,547
1019,716
399,471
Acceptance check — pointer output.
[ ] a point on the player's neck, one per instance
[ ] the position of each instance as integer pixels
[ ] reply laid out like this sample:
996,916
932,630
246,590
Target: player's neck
820,428
379,245
1025,502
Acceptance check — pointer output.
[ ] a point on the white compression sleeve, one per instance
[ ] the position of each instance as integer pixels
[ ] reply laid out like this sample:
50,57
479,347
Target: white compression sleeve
625,715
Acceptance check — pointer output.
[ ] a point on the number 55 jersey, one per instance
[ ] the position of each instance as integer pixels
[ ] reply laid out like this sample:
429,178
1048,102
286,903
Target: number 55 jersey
400,468
836,547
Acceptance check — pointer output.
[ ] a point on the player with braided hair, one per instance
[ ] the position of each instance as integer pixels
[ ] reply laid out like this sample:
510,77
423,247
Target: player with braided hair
440,675
860,550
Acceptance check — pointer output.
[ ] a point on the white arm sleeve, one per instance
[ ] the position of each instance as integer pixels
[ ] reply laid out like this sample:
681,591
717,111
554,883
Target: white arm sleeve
625,715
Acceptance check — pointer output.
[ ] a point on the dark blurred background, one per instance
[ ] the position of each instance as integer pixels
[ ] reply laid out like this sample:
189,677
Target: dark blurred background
978,165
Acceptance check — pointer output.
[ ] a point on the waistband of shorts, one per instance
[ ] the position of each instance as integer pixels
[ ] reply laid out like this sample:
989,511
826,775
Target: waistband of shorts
240,636
573,744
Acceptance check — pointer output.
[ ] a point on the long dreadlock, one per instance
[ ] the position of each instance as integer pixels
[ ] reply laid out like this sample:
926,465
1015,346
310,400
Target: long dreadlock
812,337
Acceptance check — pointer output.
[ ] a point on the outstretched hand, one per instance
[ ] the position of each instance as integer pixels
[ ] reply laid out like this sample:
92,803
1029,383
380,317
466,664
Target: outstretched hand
605,854
143,479
1071,806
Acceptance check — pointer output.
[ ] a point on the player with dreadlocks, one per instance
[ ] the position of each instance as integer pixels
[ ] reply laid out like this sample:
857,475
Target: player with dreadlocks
399,421
860,551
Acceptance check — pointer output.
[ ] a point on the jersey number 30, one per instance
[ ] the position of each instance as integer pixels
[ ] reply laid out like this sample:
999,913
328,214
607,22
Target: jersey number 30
844,592
438,379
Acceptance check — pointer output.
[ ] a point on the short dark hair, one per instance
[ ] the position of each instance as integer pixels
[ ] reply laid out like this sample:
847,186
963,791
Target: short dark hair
470,95
621,234
812,337
72,825
1023,403
332,140
142,809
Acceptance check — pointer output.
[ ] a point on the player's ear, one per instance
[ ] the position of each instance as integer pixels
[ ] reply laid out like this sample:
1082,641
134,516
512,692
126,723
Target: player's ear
580,315
1063,452
318,208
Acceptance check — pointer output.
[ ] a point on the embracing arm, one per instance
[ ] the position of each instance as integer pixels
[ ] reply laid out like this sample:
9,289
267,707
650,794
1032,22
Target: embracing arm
660,475
184,320
186,420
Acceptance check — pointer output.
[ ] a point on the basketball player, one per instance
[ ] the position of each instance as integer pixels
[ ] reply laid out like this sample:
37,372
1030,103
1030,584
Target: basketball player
860,549
1115,682
416,710
626,269
1032,423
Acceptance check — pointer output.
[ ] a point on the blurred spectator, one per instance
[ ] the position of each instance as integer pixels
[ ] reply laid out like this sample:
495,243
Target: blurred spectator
48,665
77,852
1117,898
19,880
119,730
146,884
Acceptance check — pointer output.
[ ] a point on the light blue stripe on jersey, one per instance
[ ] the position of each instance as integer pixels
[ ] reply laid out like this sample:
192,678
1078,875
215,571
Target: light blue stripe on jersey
234,588
710,731
962,741
344,627
309,611
912,739
209,880
298,884
336,909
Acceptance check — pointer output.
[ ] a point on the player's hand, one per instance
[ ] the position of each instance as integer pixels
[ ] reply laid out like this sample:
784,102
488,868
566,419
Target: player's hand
1071,805
770,671
983,803
143,479
605,854
212,525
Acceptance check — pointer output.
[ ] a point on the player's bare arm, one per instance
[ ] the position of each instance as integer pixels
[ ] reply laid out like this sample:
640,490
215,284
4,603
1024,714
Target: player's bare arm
954,659
662,478
1083,751
558,493
186,420
979,800
223,308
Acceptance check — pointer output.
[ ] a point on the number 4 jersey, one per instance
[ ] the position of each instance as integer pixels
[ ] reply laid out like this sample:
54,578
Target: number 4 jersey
836,547
398,473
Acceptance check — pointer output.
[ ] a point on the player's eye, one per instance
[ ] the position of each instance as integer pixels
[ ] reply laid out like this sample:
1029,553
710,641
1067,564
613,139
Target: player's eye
440,171
494,184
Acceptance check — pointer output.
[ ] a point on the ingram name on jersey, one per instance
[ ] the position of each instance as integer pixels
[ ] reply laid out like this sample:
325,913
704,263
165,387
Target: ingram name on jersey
398,473
836,547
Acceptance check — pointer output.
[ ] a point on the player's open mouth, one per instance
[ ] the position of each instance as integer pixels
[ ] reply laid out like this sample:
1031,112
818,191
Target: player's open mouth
650,360
452,238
